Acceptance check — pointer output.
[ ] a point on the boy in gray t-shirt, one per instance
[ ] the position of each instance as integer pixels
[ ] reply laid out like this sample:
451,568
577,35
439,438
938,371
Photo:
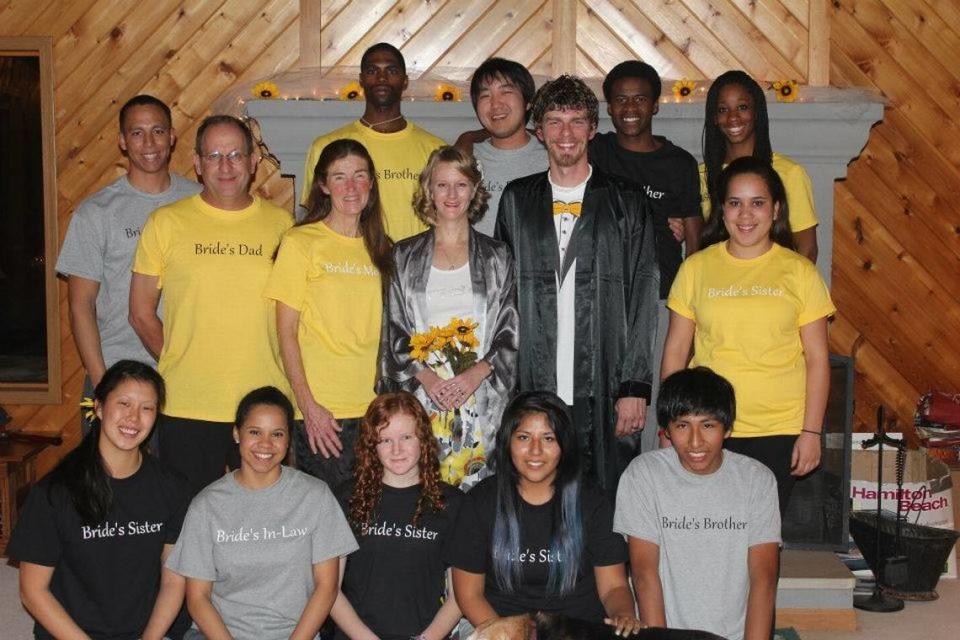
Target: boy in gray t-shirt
703,524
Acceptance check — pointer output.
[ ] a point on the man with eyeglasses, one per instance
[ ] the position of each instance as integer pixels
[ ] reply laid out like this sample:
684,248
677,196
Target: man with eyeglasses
399,148
103,233
210,256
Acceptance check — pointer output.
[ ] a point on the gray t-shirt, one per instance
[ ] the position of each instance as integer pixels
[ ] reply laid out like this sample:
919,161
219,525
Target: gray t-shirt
99,245
259,547
704,526
500,166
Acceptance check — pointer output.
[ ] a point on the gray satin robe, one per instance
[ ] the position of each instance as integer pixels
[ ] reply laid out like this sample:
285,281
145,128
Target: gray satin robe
494,300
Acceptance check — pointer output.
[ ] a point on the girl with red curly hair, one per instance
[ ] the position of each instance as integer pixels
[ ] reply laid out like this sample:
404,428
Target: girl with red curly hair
401,513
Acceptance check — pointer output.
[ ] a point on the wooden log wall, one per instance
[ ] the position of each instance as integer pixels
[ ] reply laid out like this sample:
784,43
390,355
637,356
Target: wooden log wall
897,231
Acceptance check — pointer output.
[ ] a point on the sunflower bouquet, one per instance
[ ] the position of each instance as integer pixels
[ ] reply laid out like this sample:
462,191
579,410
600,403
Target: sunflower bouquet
452,346
448,351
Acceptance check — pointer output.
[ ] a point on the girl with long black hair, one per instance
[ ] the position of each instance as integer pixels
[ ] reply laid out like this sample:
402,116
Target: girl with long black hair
94,532
736,125
534,537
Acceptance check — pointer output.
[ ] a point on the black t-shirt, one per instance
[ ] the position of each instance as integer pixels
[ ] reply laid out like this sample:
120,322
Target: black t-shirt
396,580
469,549
106,576
671,180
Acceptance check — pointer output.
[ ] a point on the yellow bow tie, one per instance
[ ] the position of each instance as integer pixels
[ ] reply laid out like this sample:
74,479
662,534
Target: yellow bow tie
573,208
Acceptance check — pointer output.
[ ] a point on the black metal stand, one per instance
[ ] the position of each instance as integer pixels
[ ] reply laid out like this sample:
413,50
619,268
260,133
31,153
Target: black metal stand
878,602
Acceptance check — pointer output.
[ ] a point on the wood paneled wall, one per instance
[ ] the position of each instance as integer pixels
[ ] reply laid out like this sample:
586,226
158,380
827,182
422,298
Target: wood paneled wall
897,229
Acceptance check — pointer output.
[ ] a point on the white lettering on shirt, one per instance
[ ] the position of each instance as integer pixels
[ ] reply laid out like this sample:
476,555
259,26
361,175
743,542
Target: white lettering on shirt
737,291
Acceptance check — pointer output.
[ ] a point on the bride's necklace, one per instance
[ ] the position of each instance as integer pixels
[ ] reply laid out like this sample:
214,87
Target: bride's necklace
446,259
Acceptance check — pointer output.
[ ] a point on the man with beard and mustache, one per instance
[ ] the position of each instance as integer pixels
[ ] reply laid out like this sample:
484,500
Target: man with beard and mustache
398,147
587,281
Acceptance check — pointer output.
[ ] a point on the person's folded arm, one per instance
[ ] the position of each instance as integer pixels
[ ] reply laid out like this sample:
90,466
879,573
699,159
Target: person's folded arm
144,299
173,587
645,570
762,563
43,606
82,296
468,588
204,614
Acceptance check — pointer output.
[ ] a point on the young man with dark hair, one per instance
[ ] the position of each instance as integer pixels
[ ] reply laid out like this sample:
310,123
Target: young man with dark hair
210,256
587,280
399,148
502,92
102,237
668,175
702,523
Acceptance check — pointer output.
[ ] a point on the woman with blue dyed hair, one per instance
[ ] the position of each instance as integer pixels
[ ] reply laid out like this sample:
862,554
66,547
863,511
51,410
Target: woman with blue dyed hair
534,537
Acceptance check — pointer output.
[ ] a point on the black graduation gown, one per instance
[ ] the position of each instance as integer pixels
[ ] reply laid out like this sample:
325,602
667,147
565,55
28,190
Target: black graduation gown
617,283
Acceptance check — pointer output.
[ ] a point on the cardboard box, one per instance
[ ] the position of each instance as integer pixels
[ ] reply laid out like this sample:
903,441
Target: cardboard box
927,497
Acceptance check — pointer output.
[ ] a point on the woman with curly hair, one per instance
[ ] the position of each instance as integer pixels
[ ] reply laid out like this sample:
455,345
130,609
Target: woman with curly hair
450,278
401,513
736,125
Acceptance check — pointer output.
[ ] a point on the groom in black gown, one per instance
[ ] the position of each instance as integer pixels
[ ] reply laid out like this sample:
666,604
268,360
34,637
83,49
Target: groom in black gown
587,281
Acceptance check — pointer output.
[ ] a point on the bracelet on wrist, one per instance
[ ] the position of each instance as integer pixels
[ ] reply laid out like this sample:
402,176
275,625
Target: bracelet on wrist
812,432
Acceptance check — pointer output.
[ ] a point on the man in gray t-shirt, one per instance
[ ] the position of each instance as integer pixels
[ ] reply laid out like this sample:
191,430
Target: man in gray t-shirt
702,523
502,92
102,237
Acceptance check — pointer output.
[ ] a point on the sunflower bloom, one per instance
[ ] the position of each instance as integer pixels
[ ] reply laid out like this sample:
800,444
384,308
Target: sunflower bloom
786,90
351,91
447,93
683,88
266,90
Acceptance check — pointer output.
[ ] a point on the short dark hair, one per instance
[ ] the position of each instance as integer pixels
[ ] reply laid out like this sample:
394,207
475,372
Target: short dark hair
633,69
697,391
714,230
211,121
563,93
506,70
266,396
144,100
383,46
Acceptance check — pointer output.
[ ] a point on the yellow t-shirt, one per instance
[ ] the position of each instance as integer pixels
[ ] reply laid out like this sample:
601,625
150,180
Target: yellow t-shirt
748,315
219,332
332,282
398,159
795,181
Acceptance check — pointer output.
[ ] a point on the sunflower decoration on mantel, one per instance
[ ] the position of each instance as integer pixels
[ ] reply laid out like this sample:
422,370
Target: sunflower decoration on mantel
683,88
350,92
786,90
447,93
266,90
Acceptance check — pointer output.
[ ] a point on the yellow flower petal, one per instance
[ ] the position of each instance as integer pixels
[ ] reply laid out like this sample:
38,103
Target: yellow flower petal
683,88
266,90
351,91
447,93
786,90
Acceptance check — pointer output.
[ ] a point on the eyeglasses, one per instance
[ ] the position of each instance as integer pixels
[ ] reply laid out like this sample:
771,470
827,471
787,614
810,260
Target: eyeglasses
234,157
